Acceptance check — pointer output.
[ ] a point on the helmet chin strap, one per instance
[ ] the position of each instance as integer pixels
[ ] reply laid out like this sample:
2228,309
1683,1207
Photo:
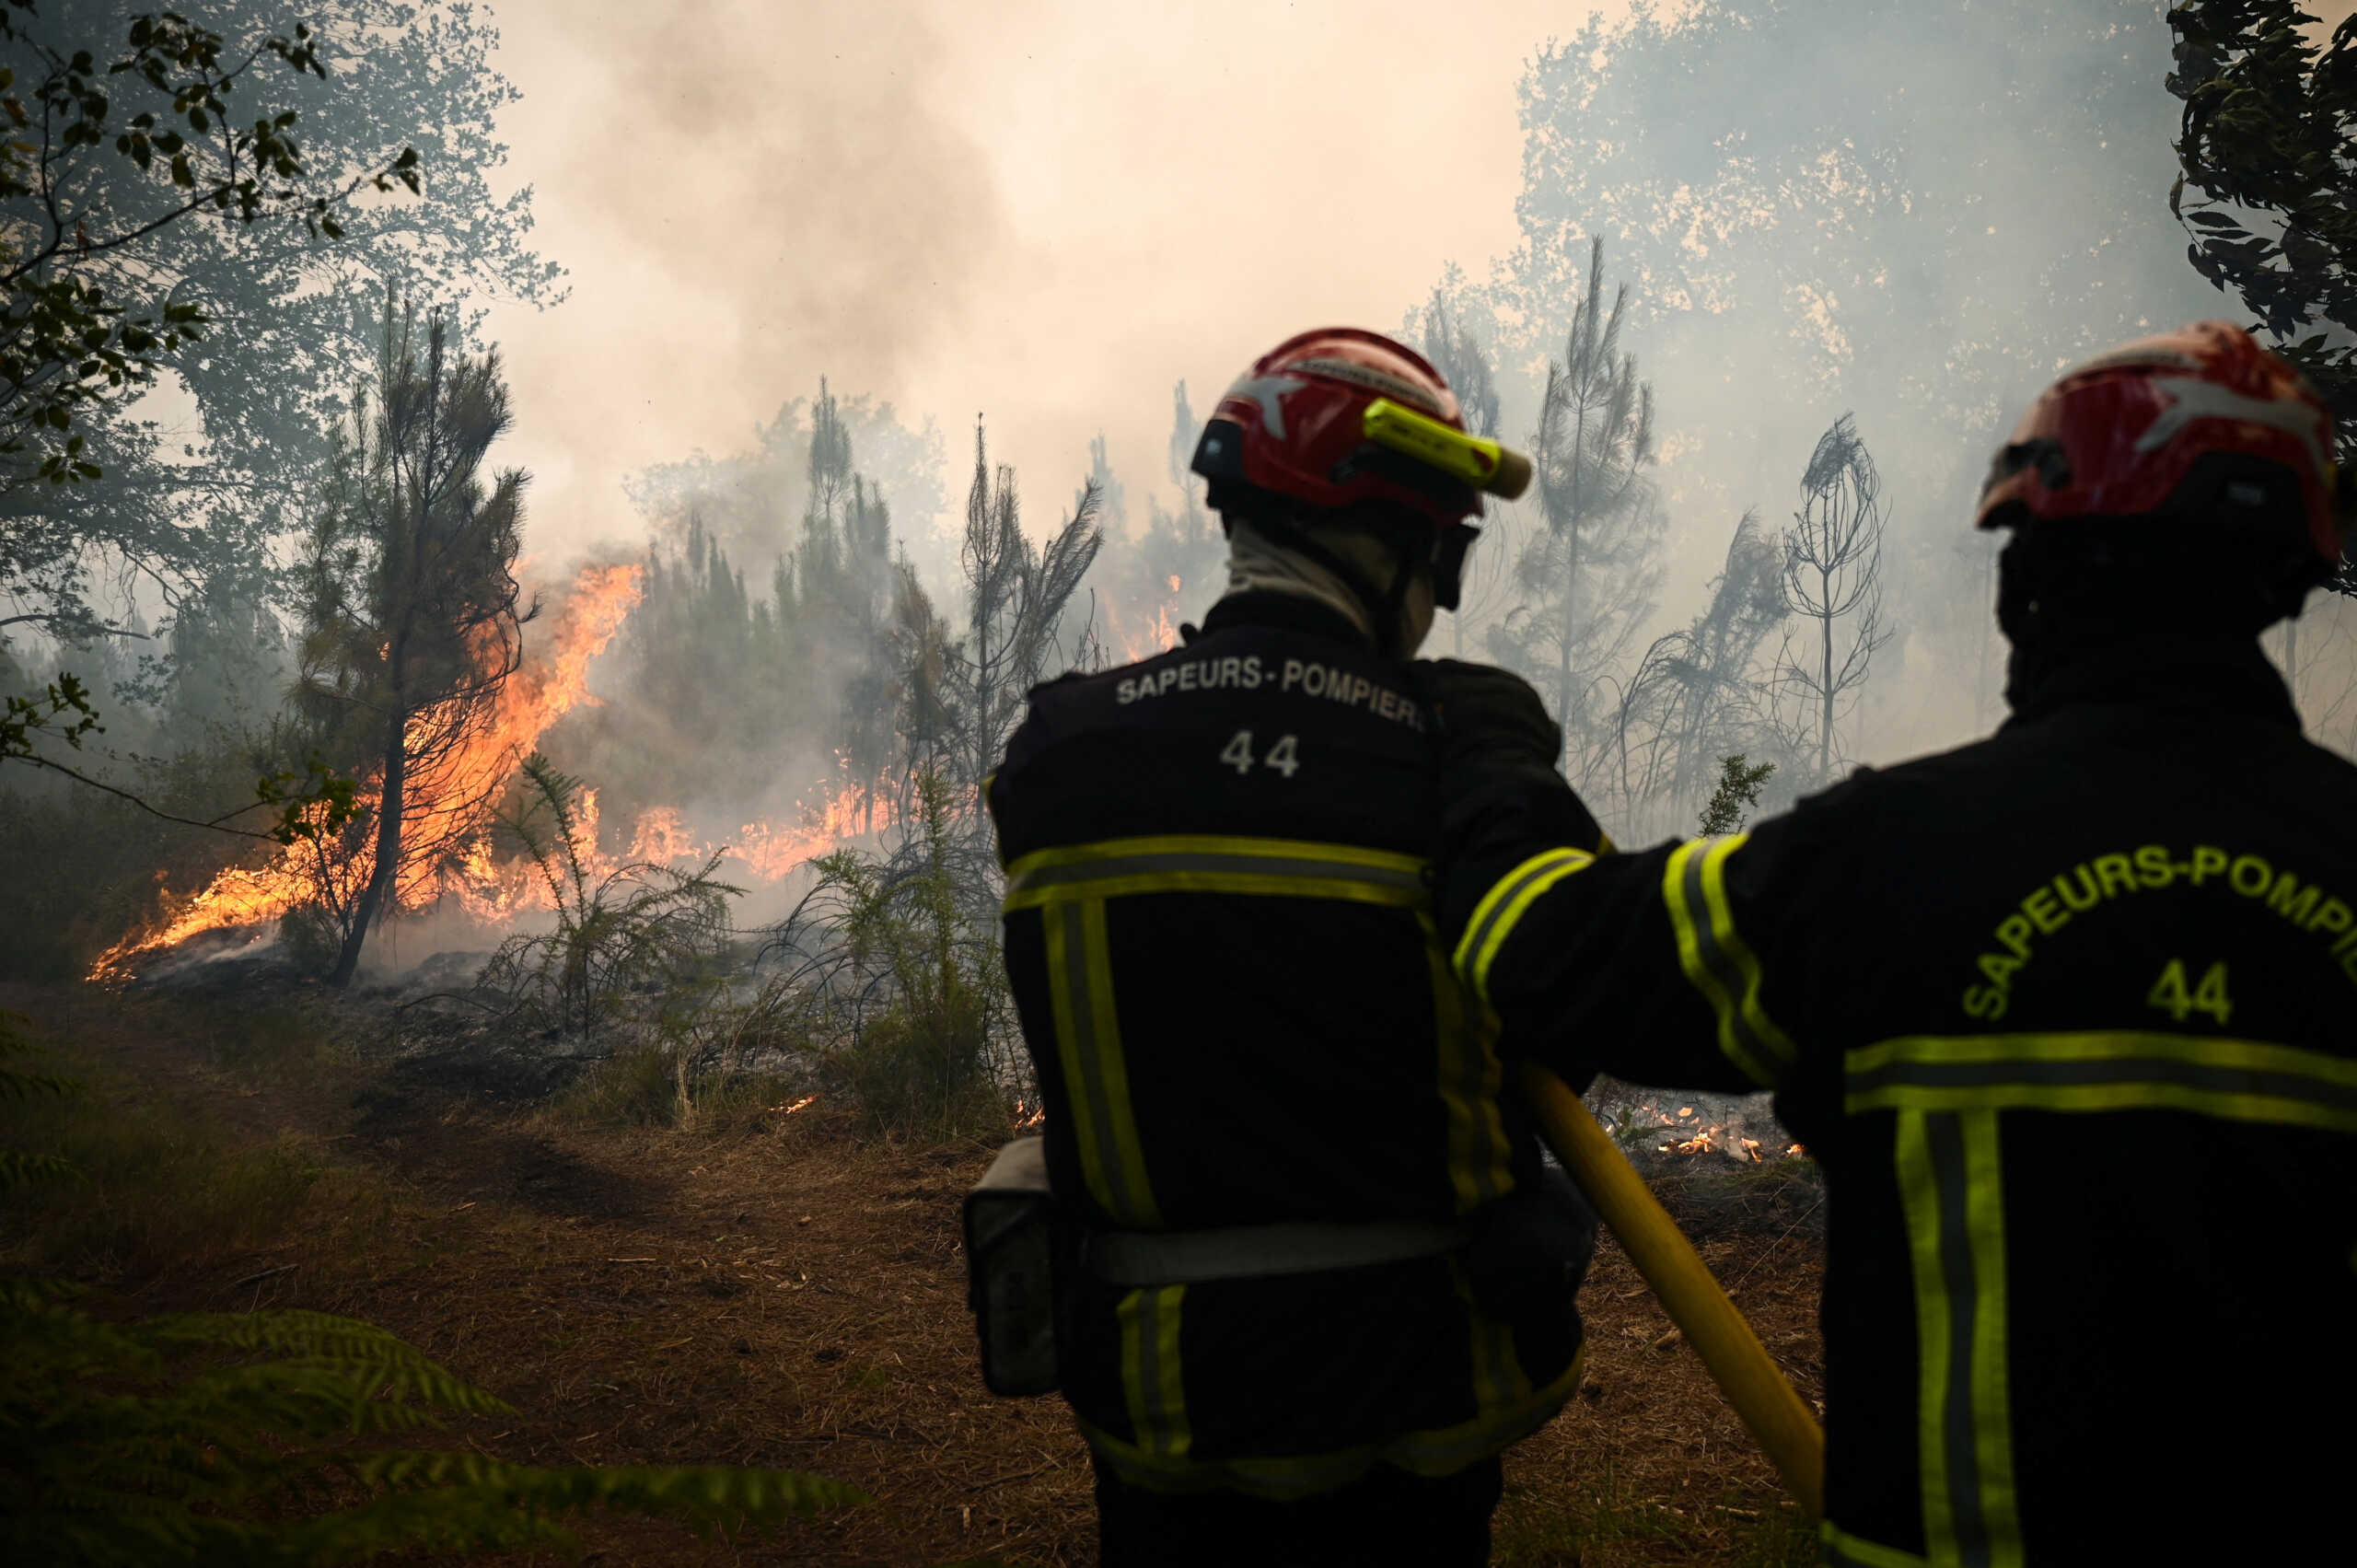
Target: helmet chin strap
1383,607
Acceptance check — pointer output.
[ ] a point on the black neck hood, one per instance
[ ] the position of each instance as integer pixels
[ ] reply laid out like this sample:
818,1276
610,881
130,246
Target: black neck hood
2226,674
1290,612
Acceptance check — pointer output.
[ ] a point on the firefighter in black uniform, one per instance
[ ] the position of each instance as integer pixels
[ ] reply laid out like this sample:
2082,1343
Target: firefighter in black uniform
2067,1013
1322,1283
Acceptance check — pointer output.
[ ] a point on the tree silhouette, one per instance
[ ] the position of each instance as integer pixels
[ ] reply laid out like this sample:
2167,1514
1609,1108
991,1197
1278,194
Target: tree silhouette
1833,577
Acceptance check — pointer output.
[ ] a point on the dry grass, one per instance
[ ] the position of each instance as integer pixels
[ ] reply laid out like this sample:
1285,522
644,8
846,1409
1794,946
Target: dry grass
766,1290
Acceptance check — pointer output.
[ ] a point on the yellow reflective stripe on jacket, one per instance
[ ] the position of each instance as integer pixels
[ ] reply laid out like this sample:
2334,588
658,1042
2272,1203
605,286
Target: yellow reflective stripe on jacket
1951,1188
1472,1079
1499,1381
1150,1370
1717,959
2239,1080
1084,876
1438,1452
1300,868
1503,907
1839,1549
1088,1045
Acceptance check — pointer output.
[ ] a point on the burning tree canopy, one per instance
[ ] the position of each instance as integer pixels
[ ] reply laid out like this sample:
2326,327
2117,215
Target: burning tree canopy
414,621
550,679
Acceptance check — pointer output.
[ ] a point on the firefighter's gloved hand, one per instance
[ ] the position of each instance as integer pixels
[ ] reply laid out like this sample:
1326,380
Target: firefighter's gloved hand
1501,798
1487,714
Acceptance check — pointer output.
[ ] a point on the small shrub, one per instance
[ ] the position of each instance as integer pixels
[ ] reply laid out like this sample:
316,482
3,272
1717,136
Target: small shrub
928,1049
746,1094
638,1087
916,1069
639,928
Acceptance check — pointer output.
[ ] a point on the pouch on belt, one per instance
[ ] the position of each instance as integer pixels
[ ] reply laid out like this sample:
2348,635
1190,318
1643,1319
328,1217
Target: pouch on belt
1014,1233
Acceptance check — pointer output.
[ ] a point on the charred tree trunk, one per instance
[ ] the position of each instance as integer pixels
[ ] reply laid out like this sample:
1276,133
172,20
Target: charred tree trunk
377,898
1825,685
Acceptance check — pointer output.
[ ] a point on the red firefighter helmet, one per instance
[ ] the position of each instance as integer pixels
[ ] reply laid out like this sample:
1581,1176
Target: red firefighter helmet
2119,435
1294,425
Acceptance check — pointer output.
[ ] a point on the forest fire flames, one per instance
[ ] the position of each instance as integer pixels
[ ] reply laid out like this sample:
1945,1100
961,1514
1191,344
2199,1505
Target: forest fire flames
540,692
1160,635
488,886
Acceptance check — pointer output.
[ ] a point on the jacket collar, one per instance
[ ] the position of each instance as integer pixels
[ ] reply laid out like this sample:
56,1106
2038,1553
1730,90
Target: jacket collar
2168,670
1289,612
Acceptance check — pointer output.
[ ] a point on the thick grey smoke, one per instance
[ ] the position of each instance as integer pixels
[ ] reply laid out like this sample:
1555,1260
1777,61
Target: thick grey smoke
1825,207
749,198
1048,211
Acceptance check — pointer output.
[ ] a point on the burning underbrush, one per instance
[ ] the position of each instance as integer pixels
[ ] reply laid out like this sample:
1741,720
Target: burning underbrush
460,861
1720,1164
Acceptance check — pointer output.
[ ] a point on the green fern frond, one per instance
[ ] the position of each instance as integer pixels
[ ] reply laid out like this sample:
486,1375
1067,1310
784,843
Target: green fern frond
17,1084
457,1502
456,1520
289,1331
20,1169
26,1086
120,1454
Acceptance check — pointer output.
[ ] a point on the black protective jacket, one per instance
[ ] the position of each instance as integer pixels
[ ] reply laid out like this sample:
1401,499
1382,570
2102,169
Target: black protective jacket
1220,933
2070,1017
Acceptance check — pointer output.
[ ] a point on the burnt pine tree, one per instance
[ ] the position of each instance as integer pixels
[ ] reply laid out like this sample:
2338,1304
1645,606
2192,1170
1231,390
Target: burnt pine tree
1014,594
837,617
1184,553
1833,579
1698,692
413,619
1456,353
1591,571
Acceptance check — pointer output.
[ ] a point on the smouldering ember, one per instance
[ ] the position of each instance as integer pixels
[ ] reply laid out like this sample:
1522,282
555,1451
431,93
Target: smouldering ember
1690,1134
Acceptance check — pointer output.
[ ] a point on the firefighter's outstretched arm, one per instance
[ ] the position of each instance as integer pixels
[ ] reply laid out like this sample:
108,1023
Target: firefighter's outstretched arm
1591,960
1569,964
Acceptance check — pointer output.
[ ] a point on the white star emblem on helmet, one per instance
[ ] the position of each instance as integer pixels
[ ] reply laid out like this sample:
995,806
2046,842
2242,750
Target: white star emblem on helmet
1269,392
2190,398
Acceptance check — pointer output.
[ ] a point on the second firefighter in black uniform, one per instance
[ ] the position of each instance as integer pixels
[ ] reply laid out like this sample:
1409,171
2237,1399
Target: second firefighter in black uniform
2066,1014
1321,1282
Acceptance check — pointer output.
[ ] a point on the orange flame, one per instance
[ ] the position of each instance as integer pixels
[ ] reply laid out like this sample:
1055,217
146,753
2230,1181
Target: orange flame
495,889
774,852
535,697
1157,636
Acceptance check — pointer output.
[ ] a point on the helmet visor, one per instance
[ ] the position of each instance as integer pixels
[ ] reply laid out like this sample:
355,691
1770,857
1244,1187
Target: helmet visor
1450,550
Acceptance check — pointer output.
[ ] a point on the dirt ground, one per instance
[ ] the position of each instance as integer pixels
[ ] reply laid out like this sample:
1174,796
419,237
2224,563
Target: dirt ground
772,1291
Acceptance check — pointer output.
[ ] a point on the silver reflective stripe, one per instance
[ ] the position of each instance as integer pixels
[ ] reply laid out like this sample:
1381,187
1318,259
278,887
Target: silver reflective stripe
1720,965
2216,1078
1477,941
1192,1257
1167,863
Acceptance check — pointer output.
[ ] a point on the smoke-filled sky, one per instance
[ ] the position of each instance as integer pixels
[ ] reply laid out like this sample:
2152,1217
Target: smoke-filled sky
1044,209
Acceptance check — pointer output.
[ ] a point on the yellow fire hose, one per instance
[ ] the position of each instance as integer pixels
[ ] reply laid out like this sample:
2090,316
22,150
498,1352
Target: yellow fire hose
1738,1361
